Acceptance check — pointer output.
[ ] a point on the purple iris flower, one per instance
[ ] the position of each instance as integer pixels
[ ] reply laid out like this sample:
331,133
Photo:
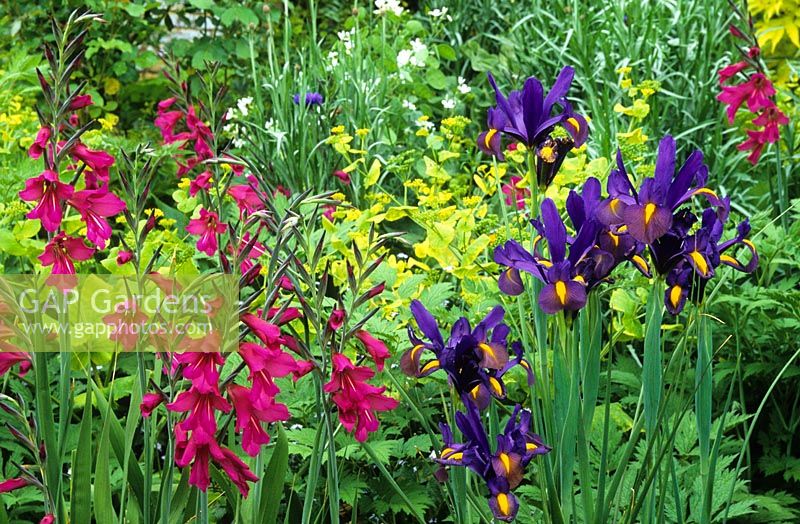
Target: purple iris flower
699,256
312,98
529,116
564,276
647,214
502,469
475,360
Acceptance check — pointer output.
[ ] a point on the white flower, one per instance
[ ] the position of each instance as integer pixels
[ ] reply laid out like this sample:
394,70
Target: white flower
403,58
417,46
244,104
333,59
449,103
438,13
462,86
427,124
388,6
409,105
347,39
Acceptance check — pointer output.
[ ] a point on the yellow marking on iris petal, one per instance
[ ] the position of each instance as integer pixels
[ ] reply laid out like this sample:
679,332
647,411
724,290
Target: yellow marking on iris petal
561,291
510,273
496,387
639,261
530,446
574,122
675,295
502,504
455,456
489,135
649,209
416,349
700,262
475,391
749,244
579,279
614,238
548,154
546,263
705,191
622,229
729,259
506,461
486,348
430,365
614,205
524,363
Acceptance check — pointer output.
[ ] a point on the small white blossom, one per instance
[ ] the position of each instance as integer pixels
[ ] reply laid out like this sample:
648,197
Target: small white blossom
388,6
403,58
409,105
462,86
243,104
448,103
333,58
438,12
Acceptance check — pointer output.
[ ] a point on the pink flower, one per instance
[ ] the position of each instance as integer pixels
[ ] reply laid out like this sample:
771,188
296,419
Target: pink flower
357,401
515,194
50,192
728,72
62,251
756,92
201,407
126,315
376,290
97,161
343,176
249,418
123,257
285,283
265,364
150,401
48,519
249,198
199,450
94,206
330,209
9,359
40,143
81,101
201,182
336,319
771,119
201,368
377,349
207,227
12,484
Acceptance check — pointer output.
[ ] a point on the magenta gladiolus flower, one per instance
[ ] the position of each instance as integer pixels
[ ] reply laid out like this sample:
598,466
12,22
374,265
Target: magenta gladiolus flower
50,192
62,251
123,257
756,92
249,418
81,101
150,401
207,227
12,484
97,161
40,143
377,349
48,519
516,195
94,206
357,401
336,319
343,176
201,183
9,359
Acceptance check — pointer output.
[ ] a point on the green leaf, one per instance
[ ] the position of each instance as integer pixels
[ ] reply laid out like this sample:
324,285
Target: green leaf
273,480
446,52
436,79
238,14
135,10
81,497
202,4
103,507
